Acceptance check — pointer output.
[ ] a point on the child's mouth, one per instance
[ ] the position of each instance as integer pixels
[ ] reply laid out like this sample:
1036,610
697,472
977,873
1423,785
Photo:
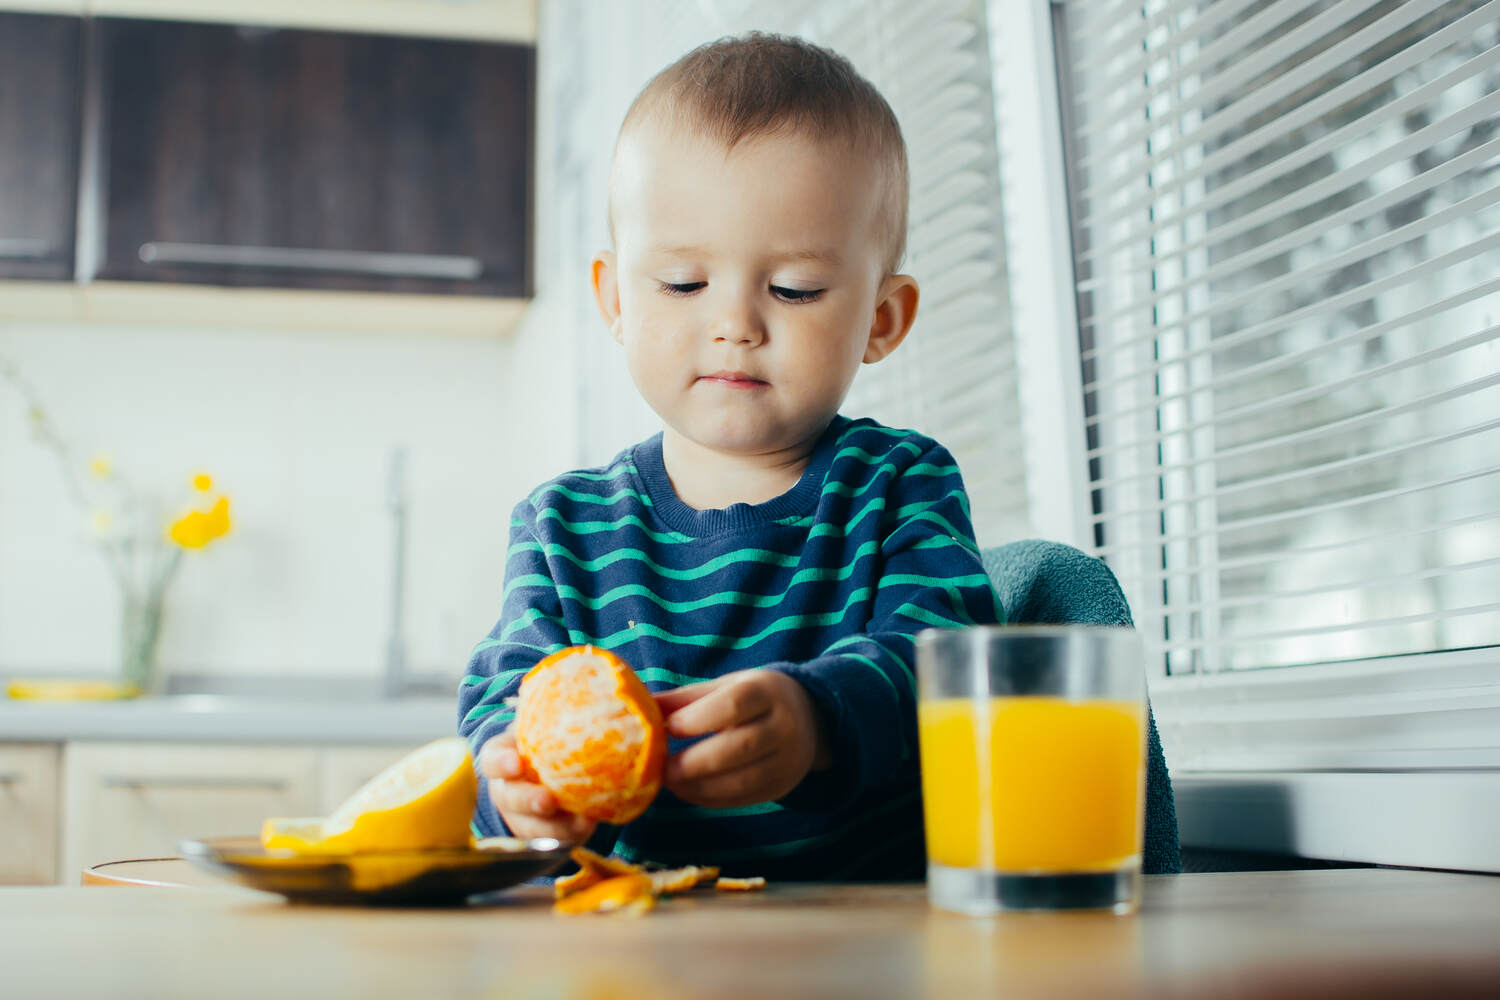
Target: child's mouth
733,380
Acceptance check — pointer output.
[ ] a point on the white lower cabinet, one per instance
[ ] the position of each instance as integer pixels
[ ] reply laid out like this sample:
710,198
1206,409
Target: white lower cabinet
137,800
29,804
67,806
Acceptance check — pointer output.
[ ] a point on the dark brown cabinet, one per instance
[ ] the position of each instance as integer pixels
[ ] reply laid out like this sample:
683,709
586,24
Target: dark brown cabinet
40,75
306,159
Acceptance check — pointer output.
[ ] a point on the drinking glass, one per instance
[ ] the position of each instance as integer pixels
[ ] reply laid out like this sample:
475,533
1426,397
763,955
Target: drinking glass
1033,746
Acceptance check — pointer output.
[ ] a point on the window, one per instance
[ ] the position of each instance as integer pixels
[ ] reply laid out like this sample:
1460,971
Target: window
1284,237
1287,231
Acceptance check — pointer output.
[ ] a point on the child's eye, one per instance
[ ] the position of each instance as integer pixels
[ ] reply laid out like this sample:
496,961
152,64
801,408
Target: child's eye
680,287
796,294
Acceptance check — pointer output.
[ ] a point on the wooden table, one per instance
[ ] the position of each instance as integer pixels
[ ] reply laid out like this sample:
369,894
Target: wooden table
1349,932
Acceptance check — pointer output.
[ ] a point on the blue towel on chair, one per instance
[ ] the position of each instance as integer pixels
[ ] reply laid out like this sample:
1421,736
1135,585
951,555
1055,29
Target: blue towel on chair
1045,583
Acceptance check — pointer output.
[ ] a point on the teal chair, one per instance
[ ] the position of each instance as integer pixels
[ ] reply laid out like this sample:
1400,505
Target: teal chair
1047,583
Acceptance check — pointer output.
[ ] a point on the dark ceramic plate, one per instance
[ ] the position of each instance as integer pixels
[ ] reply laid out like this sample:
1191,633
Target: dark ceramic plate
440,877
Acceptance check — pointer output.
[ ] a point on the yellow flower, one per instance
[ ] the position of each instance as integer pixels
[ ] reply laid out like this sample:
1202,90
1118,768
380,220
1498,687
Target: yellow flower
101,465
203,482
197,528
101,522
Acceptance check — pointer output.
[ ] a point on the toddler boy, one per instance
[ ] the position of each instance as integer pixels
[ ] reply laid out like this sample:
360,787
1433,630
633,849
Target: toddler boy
764,562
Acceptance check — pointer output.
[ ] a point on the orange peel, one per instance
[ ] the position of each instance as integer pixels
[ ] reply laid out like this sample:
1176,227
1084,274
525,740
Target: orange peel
740,884
631,893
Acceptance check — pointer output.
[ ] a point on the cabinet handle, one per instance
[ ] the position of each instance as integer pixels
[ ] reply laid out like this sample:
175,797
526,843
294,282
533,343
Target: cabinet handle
24,249
391,265
190,783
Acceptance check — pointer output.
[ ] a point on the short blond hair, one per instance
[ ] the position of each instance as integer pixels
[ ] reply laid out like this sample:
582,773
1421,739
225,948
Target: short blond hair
763,84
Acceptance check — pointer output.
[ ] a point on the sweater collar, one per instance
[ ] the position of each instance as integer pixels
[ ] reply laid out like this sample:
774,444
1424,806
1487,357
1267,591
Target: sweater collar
801,499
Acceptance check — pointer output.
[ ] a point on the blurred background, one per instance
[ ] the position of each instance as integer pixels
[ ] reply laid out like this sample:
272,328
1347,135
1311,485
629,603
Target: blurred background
1208,291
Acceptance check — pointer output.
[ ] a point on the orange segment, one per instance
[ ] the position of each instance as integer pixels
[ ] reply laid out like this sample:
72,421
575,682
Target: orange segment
591,733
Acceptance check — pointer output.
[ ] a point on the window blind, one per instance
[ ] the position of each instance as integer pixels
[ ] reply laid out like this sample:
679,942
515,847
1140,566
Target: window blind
954,378
1286,239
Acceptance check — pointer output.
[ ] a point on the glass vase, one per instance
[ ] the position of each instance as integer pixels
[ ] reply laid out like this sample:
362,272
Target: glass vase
140,637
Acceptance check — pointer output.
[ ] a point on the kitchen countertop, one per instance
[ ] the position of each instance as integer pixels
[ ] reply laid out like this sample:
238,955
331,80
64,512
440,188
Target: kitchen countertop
1344,932
232,719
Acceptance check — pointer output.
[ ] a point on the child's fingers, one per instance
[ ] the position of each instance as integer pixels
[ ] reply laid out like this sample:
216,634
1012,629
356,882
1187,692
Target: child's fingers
498,757
522,798
724,789
722,752
677,698
736,699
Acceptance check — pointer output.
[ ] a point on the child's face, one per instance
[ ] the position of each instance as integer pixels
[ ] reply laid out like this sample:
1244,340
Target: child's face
747,287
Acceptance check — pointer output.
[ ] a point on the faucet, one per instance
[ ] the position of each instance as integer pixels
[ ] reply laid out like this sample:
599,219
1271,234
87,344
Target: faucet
395,647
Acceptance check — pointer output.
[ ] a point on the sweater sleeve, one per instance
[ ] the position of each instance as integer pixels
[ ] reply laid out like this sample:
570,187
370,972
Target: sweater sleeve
865,685
531,626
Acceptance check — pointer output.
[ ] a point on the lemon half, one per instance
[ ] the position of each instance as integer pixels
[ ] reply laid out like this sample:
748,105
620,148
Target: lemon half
424,800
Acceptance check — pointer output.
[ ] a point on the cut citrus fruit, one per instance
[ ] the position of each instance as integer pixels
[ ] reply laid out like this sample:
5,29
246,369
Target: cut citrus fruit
423,800
302,834
588,730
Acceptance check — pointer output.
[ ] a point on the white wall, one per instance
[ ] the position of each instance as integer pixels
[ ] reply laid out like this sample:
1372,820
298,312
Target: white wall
297,428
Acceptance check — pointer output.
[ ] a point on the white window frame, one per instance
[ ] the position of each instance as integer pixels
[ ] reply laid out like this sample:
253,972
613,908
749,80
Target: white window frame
1394,760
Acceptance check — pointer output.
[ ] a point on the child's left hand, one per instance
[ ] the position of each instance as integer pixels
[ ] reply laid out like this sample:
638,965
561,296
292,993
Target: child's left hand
766,737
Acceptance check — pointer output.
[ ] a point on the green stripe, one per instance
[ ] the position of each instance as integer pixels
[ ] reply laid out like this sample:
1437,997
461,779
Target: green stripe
918,580
714,641
736,597
927,617
595,527
534,615
713,565
906,668
871,458
915,508
624,493
842,529
613,472
547,650
649,674
501,681
485,711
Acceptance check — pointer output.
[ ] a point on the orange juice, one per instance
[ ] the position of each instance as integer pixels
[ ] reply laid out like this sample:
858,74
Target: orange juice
1058,788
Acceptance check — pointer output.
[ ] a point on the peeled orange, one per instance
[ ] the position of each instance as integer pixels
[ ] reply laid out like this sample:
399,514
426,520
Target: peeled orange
588,730
423,800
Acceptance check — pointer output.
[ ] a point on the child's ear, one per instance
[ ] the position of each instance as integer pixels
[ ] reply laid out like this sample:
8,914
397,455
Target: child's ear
604,273
894,314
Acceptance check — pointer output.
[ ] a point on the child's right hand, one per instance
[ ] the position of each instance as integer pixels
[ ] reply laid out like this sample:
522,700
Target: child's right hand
529,810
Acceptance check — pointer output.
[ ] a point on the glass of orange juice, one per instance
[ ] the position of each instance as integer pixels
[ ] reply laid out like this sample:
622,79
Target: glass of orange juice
1033,747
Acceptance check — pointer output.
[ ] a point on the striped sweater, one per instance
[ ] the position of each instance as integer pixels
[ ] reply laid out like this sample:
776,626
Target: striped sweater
828,582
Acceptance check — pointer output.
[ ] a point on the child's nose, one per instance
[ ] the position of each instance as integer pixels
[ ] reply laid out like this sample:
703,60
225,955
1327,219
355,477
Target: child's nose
740,324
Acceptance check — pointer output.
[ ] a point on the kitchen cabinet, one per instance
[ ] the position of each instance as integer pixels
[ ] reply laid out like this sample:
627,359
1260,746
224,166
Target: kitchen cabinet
255,156
28,812
40,77
137,800
505,20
